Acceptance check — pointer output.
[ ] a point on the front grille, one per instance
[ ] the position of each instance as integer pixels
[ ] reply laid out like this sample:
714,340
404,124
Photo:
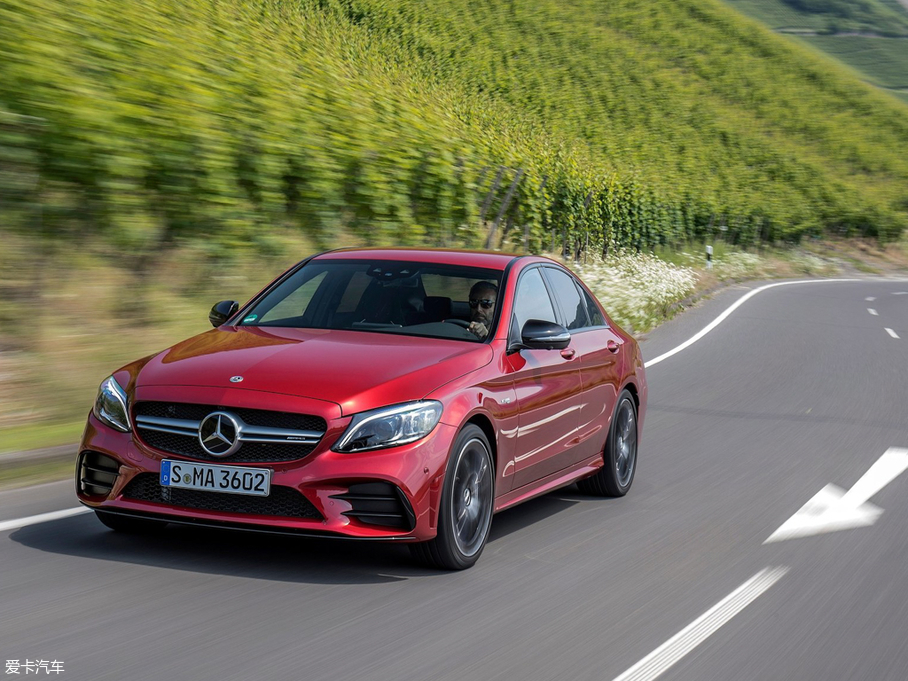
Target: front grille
188,444
254,417
250,452
379,503
98,473
284,502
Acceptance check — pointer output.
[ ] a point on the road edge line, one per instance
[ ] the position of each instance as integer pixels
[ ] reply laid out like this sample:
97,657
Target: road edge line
734,306
41,518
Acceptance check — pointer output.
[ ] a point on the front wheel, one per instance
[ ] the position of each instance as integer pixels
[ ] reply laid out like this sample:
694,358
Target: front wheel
465,507
615,477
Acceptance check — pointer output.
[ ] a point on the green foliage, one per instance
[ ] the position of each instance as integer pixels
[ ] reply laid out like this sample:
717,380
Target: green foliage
157,122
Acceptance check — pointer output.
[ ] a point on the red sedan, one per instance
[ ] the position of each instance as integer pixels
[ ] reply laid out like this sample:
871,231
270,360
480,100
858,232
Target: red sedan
375,394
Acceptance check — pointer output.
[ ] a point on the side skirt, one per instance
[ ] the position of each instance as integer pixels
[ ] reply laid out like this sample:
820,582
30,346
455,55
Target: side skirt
562,478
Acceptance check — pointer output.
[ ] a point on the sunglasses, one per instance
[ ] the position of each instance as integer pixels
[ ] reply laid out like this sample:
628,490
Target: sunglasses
486,303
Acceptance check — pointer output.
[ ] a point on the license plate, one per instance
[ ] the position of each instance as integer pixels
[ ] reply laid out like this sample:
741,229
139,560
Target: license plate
229,479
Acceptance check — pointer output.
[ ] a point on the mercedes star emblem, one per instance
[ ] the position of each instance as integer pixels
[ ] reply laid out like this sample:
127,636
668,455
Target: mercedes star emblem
219,434
236,379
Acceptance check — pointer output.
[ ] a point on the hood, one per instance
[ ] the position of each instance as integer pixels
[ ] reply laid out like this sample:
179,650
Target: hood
357,370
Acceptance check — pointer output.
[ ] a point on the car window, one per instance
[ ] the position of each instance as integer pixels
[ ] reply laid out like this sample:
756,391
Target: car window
354,292
572,305
456,288
409,298
596,318
531,302
295,304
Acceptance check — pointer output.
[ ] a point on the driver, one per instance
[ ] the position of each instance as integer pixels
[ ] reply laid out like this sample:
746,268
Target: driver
483,296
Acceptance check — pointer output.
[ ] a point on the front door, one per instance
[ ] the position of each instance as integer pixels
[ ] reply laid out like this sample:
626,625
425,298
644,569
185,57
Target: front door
547,386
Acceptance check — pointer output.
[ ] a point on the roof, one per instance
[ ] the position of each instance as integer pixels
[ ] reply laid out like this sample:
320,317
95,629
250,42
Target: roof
483,259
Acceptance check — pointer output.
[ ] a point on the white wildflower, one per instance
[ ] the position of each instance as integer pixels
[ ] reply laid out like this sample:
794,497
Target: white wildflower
636,288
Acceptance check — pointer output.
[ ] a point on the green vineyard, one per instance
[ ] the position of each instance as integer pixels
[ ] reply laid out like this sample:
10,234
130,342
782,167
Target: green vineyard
152,123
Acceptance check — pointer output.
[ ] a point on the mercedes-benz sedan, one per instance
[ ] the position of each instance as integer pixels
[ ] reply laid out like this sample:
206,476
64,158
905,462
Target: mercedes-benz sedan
403,395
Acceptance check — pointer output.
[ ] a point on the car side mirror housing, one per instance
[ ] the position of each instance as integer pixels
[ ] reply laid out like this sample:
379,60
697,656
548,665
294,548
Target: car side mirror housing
222,311
539,335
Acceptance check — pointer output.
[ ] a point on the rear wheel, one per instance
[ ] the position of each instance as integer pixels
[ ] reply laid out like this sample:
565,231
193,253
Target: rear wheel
128,524
615,477
465,507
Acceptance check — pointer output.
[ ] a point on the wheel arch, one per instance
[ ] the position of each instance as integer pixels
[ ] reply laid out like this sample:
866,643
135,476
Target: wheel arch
485,425
631,387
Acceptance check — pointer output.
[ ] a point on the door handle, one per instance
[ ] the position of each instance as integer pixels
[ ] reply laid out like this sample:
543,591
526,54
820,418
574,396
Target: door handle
568,353
612,346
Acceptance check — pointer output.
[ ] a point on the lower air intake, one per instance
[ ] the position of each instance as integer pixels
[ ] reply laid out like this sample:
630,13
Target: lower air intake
379,503
98,473
283,502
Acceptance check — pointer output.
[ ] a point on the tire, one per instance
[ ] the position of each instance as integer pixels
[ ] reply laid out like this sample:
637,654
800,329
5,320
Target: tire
620,453
465,506
129,525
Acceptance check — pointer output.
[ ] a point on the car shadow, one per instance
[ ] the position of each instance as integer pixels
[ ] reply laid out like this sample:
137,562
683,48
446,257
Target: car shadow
524,516
263,556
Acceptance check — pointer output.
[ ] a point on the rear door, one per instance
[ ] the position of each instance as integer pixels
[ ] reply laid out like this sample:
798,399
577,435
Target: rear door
547,384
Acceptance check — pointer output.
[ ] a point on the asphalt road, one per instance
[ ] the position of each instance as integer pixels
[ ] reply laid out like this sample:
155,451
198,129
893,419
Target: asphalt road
800,387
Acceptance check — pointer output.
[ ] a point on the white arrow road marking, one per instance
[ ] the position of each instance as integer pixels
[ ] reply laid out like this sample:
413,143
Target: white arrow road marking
832,508
873,312
41,518
703,627
891,333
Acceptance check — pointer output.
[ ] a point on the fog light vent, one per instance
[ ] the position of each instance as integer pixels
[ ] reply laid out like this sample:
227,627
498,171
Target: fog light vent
97,473
379,503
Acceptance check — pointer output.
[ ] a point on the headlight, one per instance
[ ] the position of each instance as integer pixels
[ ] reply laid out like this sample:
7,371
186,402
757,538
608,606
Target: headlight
110,405
389,426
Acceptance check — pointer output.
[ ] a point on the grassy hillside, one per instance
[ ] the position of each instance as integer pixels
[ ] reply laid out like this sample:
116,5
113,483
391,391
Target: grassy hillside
870,36
159,121
158,155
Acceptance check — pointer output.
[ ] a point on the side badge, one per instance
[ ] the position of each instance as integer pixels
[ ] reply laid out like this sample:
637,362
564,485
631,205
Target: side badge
236,379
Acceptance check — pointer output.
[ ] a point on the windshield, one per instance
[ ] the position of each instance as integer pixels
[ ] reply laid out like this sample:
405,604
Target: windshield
409,298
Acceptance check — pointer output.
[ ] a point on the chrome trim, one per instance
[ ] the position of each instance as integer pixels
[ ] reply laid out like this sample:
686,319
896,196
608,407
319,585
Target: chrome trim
287,439
245,432
169,425
268,432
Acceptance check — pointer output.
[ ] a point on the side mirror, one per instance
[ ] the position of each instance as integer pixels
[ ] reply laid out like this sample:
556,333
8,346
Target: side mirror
539,335
222,311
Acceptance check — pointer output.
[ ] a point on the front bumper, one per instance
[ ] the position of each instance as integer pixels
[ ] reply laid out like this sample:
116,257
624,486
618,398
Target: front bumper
349,493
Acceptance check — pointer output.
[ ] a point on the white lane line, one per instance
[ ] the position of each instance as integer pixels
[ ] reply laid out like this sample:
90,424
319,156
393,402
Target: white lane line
900,293
873,312
41,518
892,333
869,299
703,627
721,318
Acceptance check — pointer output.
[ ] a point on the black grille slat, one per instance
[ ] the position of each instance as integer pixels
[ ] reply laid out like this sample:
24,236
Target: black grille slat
98,473
283,502
249,452
378,503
